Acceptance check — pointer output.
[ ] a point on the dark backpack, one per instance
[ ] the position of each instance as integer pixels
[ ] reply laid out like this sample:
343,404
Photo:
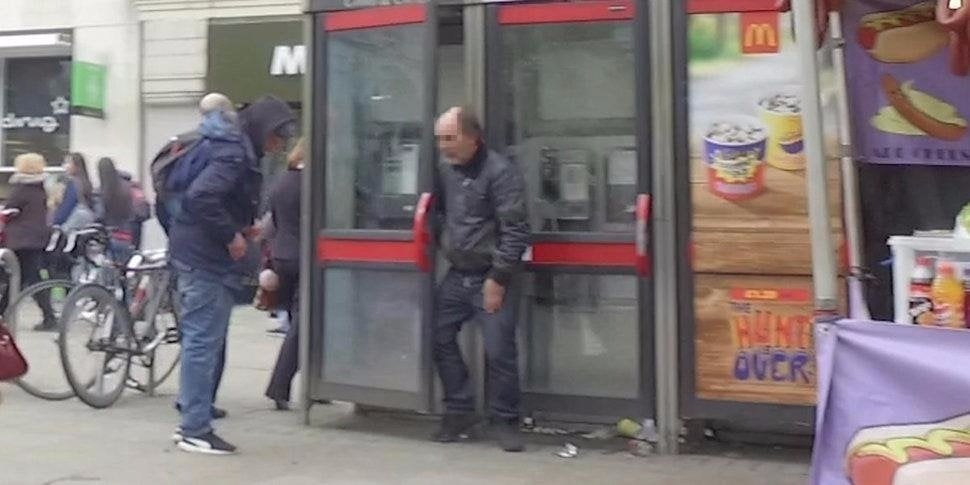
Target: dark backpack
170,190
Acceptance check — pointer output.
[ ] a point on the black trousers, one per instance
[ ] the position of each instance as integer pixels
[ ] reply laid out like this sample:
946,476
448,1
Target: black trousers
32,262
459,301
288,360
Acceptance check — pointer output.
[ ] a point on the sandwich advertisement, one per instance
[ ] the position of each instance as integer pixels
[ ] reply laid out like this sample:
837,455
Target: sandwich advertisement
910,100
893,407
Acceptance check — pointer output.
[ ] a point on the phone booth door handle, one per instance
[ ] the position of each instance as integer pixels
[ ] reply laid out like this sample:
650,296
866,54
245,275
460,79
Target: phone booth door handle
643,212
422,232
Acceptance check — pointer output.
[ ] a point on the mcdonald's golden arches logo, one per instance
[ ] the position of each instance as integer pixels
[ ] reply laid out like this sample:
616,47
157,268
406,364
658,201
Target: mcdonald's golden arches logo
759,33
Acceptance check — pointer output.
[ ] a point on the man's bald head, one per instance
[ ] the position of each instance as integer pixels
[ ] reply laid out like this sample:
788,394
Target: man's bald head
459,135
213,102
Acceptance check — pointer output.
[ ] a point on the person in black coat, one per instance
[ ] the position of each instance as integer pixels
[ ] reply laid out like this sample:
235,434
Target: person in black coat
284,205
28,233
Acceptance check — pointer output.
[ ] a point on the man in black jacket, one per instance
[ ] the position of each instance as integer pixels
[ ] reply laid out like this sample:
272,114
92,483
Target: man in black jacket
207,242
481,201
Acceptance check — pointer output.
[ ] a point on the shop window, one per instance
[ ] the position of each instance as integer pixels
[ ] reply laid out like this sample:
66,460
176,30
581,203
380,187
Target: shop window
36,116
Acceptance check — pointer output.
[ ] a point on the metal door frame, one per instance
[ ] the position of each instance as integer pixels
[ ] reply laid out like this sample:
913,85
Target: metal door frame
572,407
408,251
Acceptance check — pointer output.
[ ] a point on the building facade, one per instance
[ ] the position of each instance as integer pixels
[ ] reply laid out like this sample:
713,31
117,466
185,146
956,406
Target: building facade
43,47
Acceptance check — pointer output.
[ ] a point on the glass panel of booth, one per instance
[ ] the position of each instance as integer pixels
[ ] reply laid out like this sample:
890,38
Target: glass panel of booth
373,333
569,122
582,338
374,127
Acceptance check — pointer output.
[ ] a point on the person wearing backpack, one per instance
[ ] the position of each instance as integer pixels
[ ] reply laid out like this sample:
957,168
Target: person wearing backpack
207,240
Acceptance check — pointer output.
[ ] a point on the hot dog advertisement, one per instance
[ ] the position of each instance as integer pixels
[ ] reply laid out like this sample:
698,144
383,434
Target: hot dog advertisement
890,411
909,101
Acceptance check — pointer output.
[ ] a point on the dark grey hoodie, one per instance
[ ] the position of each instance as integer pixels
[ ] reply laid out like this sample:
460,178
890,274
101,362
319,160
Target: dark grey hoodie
223,198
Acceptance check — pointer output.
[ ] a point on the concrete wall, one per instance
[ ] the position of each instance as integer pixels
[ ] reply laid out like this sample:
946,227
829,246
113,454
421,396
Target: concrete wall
105,32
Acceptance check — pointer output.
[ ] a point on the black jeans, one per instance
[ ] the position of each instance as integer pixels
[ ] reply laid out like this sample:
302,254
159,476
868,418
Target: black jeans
460,300
288,360
32,262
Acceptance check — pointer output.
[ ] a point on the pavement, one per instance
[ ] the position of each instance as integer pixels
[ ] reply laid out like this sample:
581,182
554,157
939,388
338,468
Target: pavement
68,443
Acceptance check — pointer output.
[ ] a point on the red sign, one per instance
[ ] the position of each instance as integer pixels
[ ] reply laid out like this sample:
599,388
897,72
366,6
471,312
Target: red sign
760,33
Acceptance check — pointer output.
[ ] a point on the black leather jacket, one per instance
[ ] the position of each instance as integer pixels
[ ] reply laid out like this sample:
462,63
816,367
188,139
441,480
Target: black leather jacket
481,208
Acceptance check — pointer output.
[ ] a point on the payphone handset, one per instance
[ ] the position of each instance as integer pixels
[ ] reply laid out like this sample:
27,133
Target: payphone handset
566,182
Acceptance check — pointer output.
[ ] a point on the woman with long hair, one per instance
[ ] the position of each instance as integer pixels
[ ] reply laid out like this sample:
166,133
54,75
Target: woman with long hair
116,209
78,196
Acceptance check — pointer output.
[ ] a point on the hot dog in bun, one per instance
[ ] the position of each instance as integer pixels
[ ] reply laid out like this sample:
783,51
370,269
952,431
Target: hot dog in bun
903,36
921,454
913,112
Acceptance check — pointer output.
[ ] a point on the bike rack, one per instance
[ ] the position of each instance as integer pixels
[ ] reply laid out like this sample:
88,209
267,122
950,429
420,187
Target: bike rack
12,266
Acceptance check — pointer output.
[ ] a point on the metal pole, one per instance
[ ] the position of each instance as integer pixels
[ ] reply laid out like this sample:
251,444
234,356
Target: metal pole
823,251
307,209
850,183
664,227
12,266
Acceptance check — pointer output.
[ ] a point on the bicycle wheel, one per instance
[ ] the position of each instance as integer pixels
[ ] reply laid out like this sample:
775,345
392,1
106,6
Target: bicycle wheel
38,342
158,337
95,344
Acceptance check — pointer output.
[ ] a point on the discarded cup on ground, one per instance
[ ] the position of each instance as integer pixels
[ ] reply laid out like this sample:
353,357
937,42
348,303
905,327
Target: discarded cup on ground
568,450
628,428
639,448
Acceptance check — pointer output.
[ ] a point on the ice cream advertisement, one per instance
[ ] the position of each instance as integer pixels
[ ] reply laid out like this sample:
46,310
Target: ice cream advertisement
889,412
909,94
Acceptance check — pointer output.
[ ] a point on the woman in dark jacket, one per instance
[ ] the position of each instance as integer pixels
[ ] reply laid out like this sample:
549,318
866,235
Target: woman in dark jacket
78,190
116,210
284,205
28,233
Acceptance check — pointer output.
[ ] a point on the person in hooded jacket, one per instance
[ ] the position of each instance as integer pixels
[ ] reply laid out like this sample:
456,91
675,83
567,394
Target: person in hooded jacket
206,240
28,233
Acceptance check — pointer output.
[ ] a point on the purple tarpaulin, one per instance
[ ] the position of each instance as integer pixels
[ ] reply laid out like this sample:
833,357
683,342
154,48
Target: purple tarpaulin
899,38
894,405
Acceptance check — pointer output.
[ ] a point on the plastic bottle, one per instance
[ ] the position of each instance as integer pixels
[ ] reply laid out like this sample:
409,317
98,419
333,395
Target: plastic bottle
948,297
921,293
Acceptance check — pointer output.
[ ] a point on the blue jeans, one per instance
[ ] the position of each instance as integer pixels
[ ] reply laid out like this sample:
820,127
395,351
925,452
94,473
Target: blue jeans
206,305
459,301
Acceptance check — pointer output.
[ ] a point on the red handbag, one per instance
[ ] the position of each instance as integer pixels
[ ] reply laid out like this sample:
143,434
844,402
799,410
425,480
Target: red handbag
12,362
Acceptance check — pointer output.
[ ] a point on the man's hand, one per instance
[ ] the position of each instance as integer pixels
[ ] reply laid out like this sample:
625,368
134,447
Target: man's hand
253,232
237,248
494,294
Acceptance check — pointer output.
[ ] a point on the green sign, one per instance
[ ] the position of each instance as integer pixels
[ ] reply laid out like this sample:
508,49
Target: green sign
88,82
249,59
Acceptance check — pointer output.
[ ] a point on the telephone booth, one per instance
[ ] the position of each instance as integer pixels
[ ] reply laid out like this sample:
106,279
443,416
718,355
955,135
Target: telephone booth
557,86
567,90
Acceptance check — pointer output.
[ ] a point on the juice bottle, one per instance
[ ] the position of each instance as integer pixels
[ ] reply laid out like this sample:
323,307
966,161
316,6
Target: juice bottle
966,296
948,297
921,293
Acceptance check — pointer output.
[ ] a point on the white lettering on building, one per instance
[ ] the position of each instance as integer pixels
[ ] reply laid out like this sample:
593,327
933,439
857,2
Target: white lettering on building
47,124
288,60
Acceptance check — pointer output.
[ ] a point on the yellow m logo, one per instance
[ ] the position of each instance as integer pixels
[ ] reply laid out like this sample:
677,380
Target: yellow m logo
760,35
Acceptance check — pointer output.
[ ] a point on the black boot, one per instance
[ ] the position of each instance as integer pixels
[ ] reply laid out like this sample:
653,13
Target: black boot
508,435
453,426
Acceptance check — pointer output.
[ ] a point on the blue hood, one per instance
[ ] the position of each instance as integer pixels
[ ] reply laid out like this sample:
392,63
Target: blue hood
220,126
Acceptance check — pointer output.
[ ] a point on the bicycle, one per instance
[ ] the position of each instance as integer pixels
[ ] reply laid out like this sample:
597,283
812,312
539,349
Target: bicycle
132,314
40,344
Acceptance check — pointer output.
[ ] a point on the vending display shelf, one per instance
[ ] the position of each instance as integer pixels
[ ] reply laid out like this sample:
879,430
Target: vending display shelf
906,249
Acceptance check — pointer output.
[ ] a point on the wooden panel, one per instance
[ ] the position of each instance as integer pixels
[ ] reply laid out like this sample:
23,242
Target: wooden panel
757,344
754,252
785,195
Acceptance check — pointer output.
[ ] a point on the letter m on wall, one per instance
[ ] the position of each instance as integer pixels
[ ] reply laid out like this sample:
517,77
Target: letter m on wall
760,33
288,60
